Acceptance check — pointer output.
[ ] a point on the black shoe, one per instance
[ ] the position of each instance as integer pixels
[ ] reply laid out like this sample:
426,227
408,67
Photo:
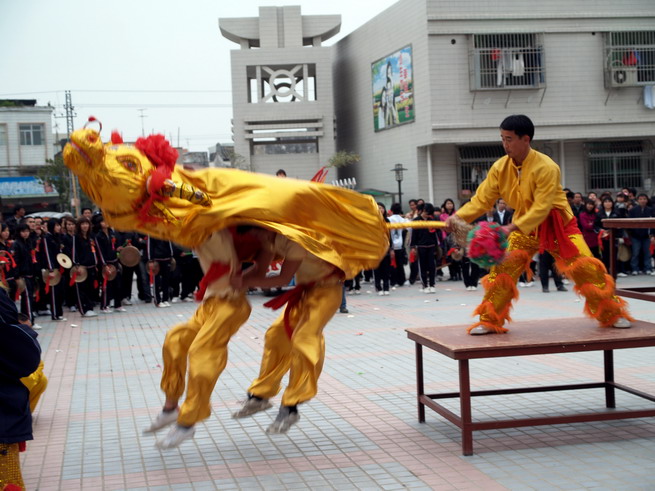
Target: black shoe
343,310
545,290
562,288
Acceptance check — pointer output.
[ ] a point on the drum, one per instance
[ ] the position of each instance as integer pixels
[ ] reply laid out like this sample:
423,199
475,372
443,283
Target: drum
129,256
53,275
109,271
64,261
153,267
81,271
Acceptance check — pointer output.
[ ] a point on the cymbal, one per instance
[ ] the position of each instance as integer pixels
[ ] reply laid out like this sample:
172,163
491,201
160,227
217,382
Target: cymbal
109,271
81,271
129,256
54,276
64,261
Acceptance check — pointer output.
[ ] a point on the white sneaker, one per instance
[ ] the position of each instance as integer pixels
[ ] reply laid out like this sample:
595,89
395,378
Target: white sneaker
634,273
162,420
432,290
285,419
175,300
61,319
167,303
120,309
251,406
565,281
36,327
73,309
479,330
652,272
421,290
622,323
621,275
521,284
106,311
474,288
188,299
163,305
90,313
127,302
380,293
176,436
530,284
385,292
358,292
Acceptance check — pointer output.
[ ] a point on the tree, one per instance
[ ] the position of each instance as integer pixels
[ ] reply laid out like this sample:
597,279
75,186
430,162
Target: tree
343,158
56,173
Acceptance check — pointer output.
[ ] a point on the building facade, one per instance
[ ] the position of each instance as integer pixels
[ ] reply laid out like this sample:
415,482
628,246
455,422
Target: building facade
282,86
26,139
426,84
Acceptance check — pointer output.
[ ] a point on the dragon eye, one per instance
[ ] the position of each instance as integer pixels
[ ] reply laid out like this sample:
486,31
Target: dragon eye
130,163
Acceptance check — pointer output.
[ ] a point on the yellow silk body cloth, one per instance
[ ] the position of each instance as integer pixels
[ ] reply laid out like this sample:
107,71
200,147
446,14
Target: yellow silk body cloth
36,383
303,354
340,226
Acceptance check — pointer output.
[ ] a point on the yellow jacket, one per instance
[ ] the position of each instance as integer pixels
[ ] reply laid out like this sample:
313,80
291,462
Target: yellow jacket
532,192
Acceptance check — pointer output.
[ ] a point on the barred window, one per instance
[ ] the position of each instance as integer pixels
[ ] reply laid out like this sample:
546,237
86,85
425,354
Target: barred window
630,58
474,163
31,134
613,165
507,61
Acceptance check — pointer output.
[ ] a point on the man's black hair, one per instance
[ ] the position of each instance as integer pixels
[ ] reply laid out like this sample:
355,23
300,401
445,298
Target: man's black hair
396,209
429,208
21,227
17,208
84,209
281,171
519,124
570,195
413,200
644,195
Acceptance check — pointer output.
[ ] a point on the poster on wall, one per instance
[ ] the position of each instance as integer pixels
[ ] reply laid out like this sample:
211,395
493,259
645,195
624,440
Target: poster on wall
393,90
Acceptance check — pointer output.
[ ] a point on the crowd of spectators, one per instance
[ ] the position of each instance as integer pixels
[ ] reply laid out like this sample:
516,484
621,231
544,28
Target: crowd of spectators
49,264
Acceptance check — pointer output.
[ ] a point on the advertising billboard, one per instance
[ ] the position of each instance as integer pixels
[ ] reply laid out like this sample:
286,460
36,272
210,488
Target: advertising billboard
393,90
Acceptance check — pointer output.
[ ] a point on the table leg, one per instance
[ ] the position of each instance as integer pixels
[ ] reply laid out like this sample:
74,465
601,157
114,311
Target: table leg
612,270
608,356
465,407
419,382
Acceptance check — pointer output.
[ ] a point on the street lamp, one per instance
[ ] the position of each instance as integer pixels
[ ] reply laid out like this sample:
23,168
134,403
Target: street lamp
398,169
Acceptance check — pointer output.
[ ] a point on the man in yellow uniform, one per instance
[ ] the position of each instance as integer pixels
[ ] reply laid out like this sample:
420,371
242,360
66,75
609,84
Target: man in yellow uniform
201,342
294,343
529,182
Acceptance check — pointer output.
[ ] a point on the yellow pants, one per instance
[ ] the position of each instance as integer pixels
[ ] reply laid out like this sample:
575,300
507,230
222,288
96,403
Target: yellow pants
304,353
36,383
10,465
202,343
589,274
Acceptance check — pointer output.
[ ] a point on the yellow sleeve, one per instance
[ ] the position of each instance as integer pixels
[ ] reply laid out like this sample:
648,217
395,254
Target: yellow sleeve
545,191
484,199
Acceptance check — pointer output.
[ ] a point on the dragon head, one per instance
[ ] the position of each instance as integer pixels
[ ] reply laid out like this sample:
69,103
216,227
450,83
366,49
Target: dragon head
113,175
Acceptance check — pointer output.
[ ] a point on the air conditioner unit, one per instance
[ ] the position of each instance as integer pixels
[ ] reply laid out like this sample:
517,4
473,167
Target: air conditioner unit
623,76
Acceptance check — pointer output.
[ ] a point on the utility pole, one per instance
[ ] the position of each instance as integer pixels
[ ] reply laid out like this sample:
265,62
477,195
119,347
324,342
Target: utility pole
70,114
142,116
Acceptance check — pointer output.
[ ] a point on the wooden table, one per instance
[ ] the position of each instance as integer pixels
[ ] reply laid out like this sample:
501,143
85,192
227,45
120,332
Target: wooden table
642,292
527,338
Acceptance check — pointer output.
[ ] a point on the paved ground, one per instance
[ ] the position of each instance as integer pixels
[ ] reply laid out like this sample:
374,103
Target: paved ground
361,432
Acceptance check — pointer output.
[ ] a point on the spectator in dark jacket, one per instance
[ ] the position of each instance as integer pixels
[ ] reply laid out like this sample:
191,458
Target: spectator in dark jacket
160,252
425,242
20,356
587,222
607,211
640,237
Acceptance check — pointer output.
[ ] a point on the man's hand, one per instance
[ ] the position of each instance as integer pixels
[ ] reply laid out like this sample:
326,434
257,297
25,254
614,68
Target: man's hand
508,229
449,223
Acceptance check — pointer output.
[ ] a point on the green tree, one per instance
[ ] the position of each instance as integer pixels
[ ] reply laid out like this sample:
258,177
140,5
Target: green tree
343,158
56,173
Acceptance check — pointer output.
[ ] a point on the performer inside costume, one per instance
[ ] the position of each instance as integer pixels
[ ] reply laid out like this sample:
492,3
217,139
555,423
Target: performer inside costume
529,182
294,343
201,342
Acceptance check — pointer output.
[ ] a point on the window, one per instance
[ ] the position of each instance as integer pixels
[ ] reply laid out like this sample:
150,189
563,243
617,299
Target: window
3,135
630,59
281,83
31,134
614,165
507,61
474,163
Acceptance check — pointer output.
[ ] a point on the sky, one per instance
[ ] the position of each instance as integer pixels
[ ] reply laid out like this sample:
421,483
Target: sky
138,65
